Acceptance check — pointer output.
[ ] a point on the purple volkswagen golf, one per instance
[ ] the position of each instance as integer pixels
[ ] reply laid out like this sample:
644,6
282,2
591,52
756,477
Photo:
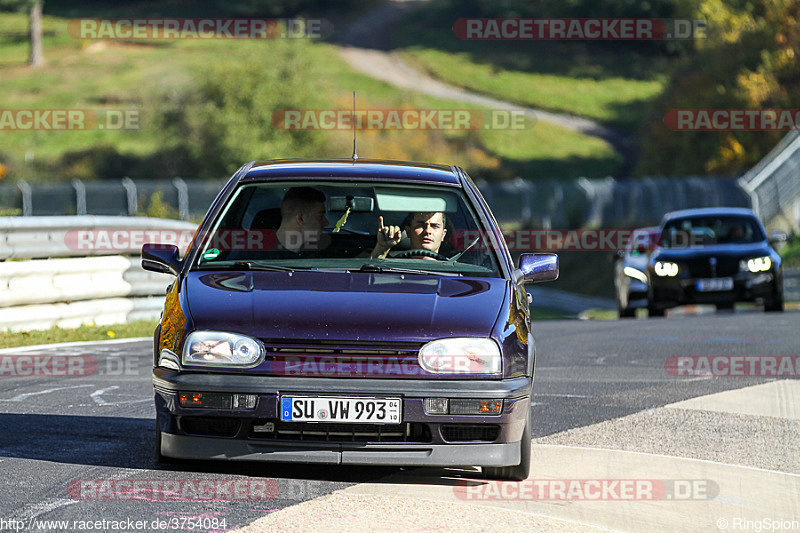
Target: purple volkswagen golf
347,312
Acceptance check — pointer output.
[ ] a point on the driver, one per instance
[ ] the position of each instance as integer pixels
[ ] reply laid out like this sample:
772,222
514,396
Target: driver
425,230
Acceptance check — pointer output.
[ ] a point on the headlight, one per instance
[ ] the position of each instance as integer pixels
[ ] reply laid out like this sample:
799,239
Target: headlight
217,348
665,268
757,264
464,355
635,274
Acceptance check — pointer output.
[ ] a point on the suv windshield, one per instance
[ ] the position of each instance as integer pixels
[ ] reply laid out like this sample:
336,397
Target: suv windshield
371,227
701,231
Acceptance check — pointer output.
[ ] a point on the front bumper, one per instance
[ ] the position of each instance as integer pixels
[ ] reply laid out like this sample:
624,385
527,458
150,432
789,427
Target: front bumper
747,287
432,442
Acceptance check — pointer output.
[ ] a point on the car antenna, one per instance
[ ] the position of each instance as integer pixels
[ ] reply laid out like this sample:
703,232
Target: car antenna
355,151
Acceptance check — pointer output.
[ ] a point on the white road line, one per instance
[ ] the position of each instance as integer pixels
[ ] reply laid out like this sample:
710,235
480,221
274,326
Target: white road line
30,512
96,396
68,344
21,397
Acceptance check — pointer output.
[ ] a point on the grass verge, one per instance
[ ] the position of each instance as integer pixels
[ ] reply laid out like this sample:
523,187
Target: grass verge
608,82
86,332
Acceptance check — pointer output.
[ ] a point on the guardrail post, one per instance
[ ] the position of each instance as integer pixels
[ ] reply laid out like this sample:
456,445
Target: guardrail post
130,192
27,197
525,188
183,198
80,197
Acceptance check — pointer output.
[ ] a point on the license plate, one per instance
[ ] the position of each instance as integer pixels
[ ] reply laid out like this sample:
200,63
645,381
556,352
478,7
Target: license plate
715,284
328,409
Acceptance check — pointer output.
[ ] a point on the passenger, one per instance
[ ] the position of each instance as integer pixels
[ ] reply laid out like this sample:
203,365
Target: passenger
302,219
736,233
426,231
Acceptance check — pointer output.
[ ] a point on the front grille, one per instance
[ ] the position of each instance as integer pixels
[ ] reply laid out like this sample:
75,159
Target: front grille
210,426
343,432
470,432
700,267
343,359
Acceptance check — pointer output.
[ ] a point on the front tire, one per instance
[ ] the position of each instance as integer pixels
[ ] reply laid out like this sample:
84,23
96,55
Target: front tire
653,311
774,306
517,472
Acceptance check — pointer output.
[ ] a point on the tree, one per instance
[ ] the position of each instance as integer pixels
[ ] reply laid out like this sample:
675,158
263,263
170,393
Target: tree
36,57
34,9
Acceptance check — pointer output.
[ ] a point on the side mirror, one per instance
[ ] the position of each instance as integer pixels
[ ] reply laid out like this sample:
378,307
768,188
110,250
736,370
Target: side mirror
778,237
536,267
161,258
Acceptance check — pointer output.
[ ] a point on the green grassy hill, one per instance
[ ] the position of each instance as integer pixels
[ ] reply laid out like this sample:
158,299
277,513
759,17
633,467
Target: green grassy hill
205,107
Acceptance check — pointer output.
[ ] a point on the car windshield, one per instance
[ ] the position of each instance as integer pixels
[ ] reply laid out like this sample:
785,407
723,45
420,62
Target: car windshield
708,230
362,226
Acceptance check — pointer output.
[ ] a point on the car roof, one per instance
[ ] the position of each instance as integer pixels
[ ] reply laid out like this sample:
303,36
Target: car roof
348,169
648,229
709,211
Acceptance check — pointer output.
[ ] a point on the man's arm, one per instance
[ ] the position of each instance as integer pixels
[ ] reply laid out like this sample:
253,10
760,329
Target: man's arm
388,236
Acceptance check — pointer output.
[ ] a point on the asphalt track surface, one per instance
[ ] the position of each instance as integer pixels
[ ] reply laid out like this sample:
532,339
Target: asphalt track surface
58,432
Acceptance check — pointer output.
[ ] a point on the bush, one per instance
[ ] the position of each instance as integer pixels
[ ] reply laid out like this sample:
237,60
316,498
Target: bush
748,61
226,119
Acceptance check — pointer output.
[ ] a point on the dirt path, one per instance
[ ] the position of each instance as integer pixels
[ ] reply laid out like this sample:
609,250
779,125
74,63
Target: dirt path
366,47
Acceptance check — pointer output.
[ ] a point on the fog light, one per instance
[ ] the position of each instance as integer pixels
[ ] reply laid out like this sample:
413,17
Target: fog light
476,407
435,406
244,401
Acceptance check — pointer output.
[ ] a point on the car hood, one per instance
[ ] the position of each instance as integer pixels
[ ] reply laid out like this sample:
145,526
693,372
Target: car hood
717,250
343,306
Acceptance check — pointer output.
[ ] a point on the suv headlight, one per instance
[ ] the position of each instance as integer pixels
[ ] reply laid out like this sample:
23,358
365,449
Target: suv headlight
666,269
756,264
218,348
461,355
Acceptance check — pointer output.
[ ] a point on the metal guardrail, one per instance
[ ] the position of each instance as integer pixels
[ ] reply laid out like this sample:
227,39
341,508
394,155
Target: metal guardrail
43,237
774,183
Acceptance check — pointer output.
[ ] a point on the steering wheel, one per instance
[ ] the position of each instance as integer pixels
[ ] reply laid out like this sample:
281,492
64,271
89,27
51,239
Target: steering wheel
405,254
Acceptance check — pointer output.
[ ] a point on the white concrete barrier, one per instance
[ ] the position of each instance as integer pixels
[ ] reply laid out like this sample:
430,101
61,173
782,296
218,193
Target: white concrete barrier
62,282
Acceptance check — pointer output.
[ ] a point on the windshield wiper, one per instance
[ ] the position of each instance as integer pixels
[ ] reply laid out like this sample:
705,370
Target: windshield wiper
250,265
372,267
456,257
